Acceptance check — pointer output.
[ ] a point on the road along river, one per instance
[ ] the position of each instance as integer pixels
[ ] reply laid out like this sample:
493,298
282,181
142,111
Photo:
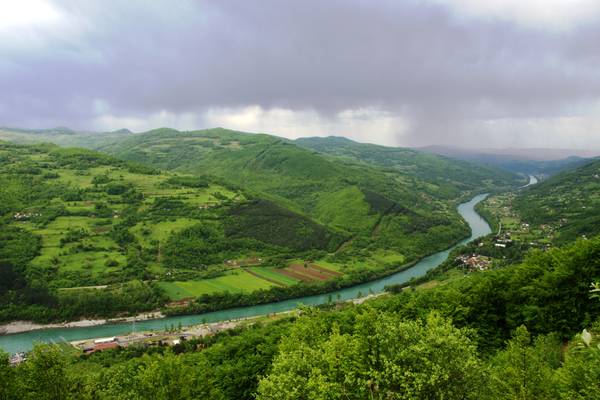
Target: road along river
25,341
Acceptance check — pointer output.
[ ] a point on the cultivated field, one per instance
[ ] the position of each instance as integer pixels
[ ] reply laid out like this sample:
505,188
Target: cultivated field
248,279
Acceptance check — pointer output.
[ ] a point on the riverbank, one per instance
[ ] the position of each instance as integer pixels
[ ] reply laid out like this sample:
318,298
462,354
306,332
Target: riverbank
200,330
22,326
24,341
15,327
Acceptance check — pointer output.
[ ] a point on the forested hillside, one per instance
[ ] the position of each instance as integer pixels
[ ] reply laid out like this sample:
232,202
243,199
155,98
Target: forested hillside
555,212
442,176
569,201
540,162
342,193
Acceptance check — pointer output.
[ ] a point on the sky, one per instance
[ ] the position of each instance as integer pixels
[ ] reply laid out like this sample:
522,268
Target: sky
471,73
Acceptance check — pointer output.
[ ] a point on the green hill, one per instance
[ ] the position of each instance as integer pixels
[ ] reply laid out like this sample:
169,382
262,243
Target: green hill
73,219
233,212
441,176
335,191
569,201
556,211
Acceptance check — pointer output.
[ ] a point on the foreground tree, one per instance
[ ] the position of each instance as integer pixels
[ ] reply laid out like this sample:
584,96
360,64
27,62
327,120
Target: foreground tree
7,378
44,375
525,371
385,357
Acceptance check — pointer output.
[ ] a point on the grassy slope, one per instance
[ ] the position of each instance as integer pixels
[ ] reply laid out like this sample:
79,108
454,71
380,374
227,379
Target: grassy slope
441,176
556,211
402,210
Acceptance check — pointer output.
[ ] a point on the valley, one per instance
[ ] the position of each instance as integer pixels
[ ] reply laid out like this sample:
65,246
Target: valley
192,222
215,245
24,341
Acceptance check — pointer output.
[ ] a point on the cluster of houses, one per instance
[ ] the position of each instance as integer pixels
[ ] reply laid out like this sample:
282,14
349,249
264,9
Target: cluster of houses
474,262
25,216
101,344
244,263
503,241
147,339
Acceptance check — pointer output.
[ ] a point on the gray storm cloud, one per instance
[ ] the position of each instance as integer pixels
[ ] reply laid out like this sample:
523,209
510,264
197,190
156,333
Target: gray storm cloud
407,73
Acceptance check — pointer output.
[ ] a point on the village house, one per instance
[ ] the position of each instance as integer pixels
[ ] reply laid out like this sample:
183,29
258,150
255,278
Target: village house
474,262
17,358
25,216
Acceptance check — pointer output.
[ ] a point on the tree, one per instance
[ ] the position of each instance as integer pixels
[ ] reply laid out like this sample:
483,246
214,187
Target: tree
7,378
523,371
44,375
384,357
579,377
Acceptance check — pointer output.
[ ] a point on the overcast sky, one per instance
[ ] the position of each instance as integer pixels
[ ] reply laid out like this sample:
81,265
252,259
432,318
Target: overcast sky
479,73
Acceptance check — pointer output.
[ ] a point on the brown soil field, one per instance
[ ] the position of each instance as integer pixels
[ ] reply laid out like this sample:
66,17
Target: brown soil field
325,270
311,272
294,275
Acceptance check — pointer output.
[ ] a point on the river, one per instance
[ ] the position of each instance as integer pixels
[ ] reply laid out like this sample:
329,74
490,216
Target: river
24,341
532,181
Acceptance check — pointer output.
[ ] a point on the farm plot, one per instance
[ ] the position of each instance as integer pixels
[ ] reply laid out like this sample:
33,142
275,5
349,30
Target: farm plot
239,281
272,275
308,272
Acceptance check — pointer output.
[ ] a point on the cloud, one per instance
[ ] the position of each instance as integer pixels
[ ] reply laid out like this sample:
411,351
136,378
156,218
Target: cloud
27,13
542,14
364,125
404,73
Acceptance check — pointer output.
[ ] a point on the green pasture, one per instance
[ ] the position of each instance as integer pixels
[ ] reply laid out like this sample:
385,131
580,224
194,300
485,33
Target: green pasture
147,231
238,281
271,273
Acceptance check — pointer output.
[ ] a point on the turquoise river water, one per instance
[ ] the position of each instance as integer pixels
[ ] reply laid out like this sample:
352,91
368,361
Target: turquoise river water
24,341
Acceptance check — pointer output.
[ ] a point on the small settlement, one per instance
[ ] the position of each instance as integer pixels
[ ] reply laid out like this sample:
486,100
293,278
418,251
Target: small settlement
171,337
474,262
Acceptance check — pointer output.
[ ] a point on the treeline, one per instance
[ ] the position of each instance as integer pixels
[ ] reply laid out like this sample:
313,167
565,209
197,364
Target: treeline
356,353
567,200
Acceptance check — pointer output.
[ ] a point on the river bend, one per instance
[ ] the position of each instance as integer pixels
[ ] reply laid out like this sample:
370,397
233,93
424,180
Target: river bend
24,341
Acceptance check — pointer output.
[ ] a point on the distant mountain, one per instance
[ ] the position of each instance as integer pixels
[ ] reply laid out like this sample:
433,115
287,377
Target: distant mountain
122,131
528,161
535,154
61,136
447,174
61,130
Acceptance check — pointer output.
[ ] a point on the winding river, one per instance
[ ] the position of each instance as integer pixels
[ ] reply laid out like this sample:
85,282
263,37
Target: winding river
24,341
